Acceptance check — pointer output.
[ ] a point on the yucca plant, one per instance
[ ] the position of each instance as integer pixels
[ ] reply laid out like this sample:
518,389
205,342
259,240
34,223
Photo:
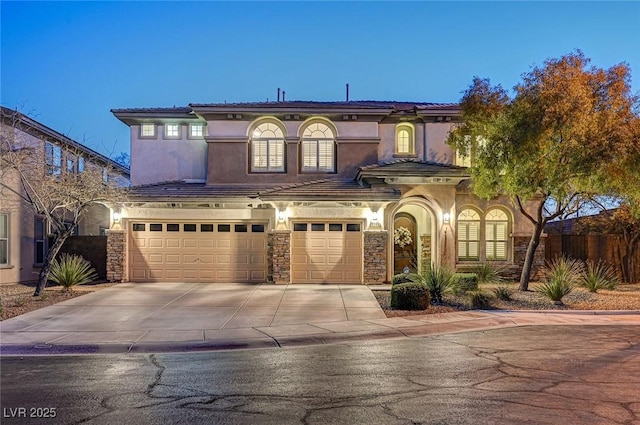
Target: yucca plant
488,273
439,281
600,275
559,278
71,270
478,300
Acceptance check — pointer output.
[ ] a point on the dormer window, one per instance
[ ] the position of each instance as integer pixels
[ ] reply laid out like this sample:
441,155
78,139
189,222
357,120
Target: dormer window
148,130
172,131
405,144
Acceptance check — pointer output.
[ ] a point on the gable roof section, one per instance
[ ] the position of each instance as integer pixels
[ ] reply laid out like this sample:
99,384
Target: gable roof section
327,189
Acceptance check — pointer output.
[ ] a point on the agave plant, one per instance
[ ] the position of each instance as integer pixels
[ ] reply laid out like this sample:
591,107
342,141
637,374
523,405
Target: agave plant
488,273
71,270
559,278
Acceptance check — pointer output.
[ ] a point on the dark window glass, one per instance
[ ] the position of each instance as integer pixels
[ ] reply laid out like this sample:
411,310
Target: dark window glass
206,227
224,228
190,227
155,227
335,227
138,227
241,228
257,228
317,227
171,227
353,227
300,227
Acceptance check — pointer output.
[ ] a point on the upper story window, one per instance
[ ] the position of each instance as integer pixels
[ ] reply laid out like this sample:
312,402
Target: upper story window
80,164
267,148
318,148
467,158
71,164
196,130
468,235
405,144
172,131
4,239
53,158
148,130
496,234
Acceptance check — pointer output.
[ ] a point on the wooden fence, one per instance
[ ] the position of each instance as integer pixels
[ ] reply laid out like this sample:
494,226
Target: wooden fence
607,248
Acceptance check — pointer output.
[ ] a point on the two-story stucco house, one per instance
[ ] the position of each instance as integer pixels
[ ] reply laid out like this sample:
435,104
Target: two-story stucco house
305,192
24,236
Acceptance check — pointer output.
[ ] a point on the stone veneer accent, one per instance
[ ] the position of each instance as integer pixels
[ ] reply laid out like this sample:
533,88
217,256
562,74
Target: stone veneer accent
375,256
520,244
279,256
425,254
116,255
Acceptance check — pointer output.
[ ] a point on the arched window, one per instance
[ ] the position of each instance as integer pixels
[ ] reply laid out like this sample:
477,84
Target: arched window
468,235
318,148
404,139
267,148
496,234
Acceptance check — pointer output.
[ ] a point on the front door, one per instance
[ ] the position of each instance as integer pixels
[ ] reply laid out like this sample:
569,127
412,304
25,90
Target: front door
404,243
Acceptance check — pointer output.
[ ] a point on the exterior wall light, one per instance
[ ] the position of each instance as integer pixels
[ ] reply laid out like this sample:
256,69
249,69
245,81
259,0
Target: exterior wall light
374,217
116,217
446,217
281,216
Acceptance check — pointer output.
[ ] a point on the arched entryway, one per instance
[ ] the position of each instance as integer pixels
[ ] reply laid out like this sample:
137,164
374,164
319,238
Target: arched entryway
412,236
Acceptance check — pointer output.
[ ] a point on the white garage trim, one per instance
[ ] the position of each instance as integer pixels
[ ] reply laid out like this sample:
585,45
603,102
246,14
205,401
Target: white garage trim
326,252
197,251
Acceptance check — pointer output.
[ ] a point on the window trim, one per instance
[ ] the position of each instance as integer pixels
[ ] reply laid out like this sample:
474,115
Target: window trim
43,241
411,148
278,142
154,127
468,241
496,241
191,127
6,239
308,139
166,135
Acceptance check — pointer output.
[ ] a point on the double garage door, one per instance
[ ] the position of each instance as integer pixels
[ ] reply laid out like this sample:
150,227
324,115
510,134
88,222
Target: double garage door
198,251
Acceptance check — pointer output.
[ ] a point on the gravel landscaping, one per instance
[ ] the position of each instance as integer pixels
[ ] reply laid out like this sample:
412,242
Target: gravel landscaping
625,297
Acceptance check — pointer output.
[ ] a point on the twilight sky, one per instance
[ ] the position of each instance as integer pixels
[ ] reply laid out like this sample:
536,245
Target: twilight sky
67,64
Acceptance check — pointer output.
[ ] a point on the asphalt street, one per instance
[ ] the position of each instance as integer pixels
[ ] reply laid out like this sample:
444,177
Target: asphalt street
536,375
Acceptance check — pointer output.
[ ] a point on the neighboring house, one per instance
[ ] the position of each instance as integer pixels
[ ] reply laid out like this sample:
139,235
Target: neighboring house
305,192
24,236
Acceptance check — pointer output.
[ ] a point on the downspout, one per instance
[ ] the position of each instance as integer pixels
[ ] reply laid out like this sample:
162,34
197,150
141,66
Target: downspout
424,140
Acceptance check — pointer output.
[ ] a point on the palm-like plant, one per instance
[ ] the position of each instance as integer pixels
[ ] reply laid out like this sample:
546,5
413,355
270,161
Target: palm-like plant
71,270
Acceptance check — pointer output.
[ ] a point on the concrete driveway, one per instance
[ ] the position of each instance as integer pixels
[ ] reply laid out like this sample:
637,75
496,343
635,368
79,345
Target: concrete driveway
131,313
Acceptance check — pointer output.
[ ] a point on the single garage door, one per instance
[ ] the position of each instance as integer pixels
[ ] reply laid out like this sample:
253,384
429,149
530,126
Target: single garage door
197,251
326,252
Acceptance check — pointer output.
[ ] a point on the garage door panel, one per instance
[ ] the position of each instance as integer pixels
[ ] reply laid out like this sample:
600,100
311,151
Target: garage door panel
317,243
155,242
172,243
335,243
318,259
353,244
211,256
189,243
335,259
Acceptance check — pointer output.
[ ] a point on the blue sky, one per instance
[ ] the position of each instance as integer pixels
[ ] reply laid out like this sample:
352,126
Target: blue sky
68,63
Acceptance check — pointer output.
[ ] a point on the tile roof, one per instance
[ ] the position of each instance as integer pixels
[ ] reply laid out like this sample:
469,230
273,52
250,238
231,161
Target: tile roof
175,109
408,167
318,189
360,104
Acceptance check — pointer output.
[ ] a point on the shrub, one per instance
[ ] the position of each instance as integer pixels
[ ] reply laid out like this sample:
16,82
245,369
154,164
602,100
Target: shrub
478,300
503,293
488,273
71,270
559,278
463,282
1,306
410,296
19,301
600,275
400,278
438,280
